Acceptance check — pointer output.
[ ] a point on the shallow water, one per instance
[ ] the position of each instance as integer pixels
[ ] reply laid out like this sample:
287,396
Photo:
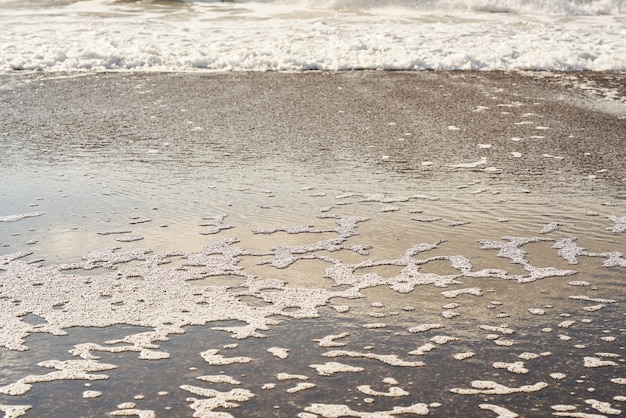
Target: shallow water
287,230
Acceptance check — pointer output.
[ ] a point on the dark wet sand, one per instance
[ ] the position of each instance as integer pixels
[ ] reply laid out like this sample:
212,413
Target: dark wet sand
340,120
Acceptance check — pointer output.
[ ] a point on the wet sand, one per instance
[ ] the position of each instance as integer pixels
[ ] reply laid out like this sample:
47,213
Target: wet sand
313,245
347,119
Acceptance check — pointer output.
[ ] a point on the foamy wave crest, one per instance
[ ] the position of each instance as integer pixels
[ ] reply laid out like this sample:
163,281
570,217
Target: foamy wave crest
552,7
290,35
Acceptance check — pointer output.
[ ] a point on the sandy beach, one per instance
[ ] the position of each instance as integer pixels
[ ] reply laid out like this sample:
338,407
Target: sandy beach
313,244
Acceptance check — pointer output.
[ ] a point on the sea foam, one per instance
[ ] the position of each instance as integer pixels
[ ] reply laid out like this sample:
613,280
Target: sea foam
305,35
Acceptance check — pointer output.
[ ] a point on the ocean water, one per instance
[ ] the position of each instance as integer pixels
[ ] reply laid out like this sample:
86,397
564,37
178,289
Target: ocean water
295,35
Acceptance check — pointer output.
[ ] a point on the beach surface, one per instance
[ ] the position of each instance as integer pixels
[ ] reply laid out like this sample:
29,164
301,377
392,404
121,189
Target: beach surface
336,121
313,244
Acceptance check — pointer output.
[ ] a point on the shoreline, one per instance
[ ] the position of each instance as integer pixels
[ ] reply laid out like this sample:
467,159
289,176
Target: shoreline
530,121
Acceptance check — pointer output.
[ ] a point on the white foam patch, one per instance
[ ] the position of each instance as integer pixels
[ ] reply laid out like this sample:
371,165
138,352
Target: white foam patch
512,250
493,328
603,407
65,370
392,392
443,339
281,353
551,227
91,394
20,216
537,311
590,299
458,223
129,239
332,410
563,408
464,356
488,387
515,367
219,378
329,340
288,376
374,325
620,224
215,224
390,359
482,161
474,291
424,327
14,411
570,251
300,387
450,314
423,349
597,362
114,231
500,410
330,368
128,412
214,359
581,283
215,399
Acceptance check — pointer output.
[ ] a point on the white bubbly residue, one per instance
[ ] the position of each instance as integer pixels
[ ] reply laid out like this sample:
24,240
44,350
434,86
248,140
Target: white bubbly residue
398,35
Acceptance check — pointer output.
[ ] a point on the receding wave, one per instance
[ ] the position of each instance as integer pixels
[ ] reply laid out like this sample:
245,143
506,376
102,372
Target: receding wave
553,7
296,35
